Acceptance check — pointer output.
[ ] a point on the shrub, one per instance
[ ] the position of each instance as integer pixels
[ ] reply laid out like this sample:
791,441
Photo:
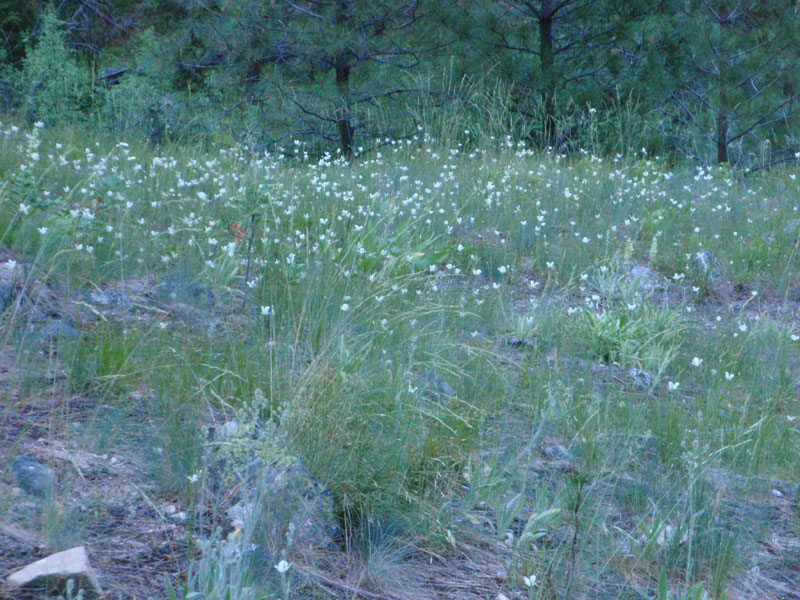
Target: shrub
52,85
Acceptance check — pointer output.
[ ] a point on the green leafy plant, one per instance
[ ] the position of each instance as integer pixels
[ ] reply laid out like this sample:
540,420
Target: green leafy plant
696,592
54,86
222,570
624,327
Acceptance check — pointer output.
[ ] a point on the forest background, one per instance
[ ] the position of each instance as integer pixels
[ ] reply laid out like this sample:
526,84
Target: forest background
713,81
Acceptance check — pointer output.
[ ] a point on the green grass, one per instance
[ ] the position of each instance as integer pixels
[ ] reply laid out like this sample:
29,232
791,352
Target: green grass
370,306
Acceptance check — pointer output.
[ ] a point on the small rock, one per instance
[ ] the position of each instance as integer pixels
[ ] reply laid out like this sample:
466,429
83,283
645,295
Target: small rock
647,279
556,452
240,513
7,294
517,342
101,298
170,509
501,596
178,289
669,535
201,295
445,389
436,387
56,330
777,493
501,574
54,571
649,445
11,272
707,268
433,387
109,298
642,378
225,430
33,476
180,517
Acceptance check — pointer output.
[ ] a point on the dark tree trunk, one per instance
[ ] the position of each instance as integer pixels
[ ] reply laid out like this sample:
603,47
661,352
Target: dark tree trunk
343,112
722,95
341,65
547,62
722,138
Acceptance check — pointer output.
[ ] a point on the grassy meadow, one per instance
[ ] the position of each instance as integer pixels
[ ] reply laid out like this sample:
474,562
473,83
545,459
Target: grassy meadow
508,373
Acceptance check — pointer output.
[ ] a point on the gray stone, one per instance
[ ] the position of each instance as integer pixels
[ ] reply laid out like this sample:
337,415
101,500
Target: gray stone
109,298
642,378
645,278
289,506
446,390
516,341
7,295
33,476
556,452
177,289
53,572
101,298
434,387
241,514
56,330
707,270
11,272
649,445
225,430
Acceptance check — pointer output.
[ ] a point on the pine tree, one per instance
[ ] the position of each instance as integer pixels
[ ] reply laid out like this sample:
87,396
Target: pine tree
552,52
735,84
